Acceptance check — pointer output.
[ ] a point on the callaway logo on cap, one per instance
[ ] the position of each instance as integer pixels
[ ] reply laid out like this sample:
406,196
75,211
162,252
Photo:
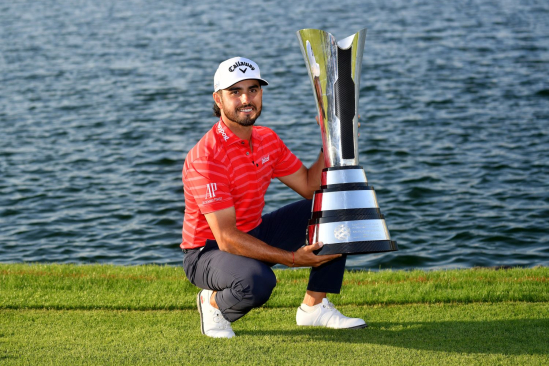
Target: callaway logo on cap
234,70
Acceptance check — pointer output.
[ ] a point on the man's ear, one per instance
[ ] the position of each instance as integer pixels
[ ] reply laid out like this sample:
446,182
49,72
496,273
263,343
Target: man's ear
217,99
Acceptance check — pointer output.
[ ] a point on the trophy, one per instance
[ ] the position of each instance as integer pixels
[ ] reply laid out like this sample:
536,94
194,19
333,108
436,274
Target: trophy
345,213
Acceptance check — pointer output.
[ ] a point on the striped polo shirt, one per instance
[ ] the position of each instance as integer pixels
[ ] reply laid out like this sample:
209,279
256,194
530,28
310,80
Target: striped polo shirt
221,171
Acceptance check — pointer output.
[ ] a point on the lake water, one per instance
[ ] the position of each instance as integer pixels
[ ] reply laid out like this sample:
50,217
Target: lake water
100,101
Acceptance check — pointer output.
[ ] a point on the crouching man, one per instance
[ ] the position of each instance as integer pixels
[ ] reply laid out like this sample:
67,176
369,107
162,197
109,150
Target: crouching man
229,246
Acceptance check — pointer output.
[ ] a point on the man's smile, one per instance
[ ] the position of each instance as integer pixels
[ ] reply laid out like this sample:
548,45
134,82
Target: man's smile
247,109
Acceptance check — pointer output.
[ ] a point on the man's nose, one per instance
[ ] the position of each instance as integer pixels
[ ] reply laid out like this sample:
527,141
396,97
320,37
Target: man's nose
244,98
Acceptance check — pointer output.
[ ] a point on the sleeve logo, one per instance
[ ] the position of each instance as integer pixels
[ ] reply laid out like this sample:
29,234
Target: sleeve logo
211,188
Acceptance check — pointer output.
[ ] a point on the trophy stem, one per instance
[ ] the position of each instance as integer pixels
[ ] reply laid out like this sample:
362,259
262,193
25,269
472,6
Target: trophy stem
334,68
345,103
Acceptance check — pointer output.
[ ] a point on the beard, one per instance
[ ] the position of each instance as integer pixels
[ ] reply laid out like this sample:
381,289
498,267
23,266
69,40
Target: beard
247,120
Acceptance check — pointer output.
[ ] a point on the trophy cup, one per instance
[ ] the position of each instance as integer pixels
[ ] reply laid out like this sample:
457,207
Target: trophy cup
345,213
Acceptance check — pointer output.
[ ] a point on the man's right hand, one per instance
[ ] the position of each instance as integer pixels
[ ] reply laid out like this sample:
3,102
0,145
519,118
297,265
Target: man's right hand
304,256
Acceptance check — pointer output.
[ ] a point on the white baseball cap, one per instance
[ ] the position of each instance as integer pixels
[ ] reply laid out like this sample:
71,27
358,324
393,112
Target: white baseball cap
234,70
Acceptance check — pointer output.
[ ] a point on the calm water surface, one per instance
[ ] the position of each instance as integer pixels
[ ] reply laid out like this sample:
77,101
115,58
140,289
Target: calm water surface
100,101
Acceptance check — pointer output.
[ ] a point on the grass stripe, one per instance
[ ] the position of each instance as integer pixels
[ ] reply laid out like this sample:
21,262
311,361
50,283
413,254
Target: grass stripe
41,286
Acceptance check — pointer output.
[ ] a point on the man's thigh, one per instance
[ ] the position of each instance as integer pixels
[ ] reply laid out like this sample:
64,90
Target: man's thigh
285,228
216,270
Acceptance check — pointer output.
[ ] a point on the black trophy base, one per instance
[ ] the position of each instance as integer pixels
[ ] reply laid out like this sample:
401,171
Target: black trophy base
359,247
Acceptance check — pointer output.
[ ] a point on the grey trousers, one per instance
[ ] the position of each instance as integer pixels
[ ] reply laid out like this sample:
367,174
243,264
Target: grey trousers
244,283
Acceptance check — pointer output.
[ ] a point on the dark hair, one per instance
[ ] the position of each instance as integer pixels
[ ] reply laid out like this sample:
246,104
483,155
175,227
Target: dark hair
216,110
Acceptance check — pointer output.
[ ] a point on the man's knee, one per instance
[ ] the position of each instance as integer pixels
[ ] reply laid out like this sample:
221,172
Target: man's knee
261,288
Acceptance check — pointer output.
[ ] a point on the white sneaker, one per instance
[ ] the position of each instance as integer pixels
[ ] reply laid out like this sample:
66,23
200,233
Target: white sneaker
213,324
326,315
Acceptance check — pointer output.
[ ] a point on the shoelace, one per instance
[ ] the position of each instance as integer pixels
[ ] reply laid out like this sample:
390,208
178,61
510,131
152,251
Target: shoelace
221,322
329,305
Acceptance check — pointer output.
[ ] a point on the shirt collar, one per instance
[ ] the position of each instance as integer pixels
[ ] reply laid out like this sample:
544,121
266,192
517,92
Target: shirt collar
226,135
256,135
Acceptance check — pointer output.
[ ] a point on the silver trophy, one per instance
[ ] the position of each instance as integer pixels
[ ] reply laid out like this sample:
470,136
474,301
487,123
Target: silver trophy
345,214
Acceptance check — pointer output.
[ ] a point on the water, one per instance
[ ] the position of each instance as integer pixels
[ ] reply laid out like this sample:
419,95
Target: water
100,101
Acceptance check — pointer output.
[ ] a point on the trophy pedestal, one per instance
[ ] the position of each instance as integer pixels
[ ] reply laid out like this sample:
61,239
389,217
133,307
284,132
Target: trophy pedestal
346,216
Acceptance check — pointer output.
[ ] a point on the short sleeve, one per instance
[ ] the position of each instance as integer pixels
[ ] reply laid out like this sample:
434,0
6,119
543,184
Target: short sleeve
208,183
287,163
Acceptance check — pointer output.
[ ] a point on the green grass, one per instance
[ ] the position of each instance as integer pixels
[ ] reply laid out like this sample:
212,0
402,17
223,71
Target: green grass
94,314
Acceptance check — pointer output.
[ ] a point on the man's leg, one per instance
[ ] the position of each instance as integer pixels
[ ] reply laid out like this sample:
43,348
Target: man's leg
240,283
244,283
286,229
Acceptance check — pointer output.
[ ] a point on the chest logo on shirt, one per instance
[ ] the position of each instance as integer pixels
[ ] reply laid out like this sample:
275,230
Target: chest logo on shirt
264,159
211,188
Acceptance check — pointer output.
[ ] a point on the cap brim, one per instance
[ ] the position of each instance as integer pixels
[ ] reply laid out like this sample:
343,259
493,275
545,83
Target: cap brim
261,82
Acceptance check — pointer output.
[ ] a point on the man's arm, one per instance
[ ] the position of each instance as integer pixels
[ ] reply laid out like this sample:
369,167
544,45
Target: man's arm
306,181
232,240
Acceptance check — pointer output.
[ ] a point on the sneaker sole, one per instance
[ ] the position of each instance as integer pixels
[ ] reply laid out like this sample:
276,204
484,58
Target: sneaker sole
357,327
199,306
319,326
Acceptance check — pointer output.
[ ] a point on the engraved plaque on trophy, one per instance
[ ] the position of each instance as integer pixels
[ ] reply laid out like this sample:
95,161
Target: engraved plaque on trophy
345,213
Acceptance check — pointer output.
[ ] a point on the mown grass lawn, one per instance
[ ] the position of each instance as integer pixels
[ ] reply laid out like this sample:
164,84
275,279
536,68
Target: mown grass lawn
66,314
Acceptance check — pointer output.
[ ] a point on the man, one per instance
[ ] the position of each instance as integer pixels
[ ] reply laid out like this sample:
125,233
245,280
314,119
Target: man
229,247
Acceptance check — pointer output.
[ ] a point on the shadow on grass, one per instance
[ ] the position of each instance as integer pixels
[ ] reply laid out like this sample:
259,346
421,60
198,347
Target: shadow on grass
510,337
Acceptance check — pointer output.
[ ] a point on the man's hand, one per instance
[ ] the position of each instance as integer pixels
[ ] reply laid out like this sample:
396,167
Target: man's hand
304,256
232,240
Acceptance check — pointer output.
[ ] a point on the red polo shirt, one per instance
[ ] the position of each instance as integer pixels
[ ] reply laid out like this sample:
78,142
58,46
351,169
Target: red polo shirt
222,171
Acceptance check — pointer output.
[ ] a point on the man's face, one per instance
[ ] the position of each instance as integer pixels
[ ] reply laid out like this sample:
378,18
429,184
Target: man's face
241,102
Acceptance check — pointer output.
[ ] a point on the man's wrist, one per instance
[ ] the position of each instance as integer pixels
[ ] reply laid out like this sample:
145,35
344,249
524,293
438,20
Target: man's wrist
291,259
